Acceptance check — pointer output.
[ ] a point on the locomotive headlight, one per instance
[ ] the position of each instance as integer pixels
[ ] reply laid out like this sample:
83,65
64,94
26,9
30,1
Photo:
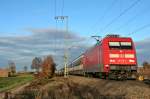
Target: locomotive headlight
106,65
129,55
114,55
112,60
132,61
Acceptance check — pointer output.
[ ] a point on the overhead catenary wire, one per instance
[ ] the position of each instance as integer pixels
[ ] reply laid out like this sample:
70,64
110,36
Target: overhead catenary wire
55,13
55,7
121,14
103,16
58,19
63,18
62,9
139,29
127,22
131,19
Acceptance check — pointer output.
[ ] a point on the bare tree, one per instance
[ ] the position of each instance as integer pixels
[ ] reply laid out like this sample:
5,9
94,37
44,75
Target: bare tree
25,68
146,65
36,63
12,68
48,67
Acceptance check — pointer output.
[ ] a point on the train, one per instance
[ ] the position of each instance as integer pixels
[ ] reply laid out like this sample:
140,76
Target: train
112,57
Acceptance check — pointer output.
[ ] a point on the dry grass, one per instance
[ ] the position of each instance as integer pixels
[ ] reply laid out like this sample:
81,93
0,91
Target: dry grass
83,88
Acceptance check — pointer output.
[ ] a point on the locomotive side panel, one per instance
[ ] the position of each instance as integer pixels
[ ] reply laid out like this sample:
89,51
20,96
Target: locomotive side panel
105,56
93,61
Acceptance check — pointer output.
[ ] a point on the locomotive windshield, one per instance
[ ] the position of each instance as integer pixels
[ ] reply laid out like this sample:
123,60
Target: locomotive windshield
126,45
120,45
114,45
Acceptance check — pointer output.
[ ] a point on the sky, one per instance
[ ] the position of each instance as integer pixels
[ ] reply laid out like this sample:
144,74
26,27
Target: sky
28,27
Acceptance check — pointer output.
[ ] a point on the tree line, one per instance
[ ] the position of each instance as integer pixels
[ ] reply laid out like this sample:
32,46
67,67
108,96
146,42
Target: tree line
44,68
146,65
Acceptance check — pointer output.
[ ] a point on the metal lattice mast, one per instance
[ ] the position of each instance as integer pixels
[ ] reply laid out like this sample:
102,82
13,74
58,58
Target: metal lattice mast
62,18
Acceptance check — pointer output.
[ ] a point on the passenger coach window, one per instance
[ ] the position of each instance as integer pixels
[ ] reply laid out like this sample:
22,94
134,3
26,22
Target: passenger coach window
126,45
114,45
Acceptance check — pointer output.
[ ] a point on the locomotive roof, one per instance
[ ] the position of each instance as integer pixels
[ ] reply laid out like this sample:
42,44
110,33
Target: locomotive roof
110,37
117,38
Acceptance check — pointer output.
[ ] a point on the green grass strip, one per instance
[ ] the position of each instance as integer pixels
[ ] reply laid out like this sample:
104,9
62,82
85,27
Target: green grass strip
12,82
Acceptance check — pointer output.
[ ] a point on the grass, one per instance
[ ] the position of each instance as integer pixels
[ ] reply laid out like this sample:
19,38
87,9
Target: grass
8,83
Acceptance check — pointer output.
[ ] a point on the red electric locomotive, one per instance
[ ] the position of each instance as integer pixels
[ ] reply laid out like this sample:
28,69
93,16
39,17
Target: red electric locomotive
112,57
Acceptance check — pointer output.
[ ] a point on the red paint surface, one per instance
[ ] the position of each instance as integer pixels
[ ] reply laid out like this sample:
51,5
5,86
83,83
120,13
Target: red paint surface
99,54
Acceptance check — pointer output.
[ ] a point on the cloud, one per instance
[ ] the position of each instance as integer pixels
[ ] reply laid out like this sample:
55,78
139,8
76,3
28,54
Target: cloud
41,42
143,50
54,33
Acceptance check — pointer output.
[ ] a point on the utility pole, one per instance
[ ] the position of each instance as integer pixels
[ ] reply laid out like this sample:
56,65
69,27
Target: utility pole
62,18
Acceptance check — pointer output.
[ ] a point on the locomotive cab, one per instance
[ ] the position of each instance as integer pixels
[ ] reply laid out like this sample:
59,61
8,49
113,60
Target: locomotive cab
120,57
